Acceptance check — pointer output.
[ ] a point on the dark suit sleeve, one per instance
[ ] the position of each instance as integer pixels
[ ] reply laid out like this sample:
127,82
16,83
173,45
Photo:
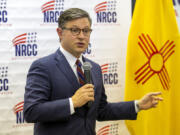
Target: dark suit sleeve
37,104
114,111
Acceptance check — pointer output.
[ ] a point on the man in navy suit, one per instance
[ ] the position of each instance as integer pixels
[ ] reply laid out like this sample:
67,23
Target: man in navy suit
55,97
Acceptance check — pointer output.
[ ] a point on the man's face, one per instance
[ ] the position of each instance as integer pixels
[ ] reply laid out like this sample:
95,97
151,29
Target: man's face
75,44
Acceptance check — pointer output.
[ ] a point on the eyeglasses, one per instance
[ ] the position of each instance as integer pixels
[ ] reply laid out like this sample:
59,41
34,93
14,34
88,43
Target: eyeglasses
76,31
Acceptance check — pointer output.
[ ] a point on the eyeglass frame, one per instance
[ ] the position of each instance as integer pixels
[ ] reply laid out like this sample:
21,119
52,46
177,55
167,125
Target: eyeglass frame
79,31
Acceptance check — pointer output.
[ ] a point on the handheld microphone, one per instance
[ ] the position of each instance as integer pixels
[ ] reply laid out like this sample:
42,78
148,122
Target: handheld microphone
87,76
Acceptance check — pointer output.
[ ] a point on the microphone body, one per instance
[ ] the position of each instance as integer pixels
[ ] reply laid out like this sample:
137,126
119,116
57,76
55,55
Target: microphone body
87,76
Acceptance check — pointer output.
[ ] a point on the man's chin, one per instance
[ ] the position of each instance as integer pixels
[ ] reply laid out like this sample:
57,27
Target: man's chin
80,51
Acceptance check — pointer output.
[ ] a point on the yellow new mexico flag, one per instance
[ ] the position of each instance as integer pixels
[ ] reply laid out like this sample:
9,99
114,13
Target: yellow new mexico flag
153,64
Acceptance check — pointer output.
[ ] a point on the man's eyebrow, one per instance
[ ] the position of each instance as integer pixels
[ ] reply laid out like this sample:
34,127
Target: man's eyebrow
78,27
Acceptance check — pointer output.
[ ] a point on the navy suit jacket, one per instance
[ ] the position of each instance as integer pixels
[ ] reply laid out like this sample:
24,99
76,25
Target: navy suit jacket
50,84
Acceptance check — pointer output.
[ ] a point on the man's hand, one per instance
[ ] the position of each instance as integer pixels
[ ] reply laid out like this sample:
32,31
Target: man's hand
149,100
83,95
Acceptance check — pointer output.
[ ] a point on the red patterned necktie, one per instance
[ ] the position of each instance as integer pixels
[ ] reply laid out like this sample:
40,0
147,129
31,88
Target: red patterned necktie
80,73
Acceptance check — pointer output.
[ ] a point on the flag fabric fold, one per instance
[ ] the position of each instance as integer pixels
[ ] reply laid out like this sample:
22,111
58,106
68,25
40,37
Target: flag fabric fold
153,64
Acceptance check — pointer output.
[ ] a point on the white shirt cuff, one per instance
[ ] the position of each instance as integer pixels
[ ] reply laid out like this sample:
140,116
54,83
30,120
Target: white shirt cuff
71,106
136,106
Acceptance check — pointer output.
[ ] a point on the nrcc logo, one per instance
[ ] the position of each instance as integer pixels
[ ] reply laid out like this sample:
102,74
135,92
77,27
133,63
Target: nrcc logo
89,52
18,111
52,10
108,130
3,11
26,44
106,12
4,82
110,75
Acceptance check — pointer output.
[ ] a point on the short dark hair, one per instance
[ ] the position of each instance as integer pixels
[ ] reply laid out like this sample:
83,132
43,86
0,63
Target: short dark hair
72,14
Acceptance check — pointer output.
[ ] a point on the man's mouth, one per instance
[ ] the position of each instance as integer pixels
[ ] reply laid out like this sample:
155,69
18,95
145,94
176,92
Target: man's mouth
80,44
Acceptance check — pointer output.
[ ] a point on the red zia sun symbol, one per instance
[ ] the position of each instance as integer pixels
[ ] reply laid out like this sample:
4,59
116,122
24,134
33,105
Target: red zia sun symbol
156,61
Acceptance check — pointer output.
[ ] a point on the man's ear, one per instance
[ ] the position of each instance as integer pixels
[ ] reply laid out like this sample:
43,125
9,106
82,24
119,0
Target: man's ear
59,32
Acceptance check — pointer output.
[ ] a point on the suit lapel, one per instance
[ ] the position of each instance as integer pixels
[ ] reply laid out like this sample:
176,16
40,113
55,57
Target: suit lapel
64,66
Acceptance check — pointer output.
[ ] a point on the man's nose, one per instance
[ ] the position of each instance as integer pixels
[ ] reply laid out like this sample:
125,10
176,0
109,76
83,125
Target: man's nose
81,34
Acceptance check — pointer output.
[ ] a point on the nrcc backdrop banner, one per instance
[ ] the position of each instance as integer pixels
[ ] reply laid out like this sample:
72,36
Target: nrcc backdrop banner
28,32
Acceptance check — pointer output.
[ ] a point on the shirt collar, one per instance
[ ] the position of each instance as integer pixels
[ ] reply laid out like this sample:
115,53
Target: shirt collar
70,58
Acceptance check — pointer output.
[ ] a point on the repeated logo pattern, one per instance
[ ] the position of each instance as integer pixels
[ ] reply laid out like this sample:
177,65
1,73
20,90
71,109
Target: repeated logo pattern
108,130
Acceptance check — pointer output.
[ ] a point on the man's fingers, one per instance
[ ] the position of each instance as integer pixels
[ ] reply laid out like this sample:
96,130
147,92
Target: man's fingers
155,93
91,99
91,94
158,98
85,89
88,90
155,103
87,86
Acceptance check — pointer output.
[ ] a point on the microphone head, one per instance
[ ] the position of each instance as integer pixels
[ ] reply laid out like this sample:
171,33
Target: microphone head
87,66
